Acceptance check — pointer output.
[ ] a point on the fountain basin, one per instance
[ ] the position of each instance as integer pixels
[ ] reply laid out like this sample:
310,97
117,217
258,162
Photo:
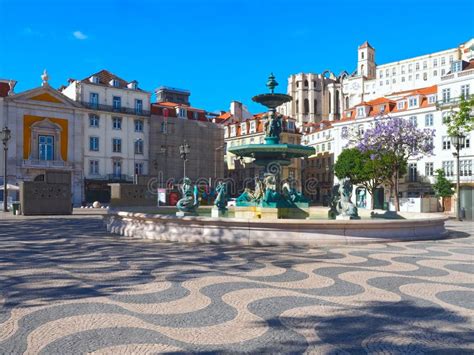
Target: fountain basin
265,154
307,233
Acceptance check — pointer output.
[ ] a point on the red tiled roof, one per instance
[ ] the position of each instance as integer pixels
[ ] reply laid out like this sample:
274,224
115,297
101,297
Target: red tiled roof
366,44
105,77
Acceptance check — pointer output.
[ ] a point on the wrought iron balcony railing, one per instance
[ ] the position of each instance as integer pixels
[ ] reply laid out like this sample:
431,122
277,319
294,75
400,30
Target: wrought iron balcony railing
116,109
52,164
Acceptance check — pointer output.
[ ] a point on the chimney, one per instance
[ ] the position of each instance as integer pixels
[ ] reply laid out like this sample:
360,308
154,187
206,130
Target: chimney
236,110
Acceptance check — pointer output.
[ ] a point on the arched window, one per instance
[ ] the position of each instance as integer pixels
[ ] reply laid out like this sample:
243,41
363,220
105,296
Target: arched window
297,106
315,108
362,55
347,102
362,69
306,83
306,106
329,102
336,103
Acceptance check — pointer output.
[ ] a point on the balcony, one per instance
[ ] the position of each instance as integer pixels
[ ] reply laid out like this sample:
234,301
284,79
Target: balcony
119,110
111,177
46,164
458,74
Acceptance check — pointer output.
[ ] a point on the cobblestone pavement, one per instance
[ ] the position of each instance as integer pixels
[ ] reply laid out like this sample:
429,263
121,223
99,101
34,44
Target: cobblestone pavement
68,287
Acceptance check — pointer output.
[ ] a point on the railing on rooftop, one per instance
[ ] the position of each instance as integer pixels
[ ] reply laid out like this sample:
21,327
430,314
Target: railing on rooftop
172,89
119,110
458,74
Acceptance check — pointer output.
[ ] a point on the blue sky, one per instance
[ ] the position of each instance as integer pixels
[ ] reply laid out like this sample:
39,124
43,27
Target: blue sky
220,50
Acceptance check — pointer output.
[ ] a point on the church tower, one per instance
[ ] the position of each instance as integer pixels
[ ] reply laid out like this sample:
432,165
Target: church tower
366,61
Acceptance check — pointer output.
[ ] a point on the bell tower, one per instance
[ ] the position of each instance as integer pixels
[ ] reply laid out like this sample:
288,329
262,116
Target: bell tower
366,61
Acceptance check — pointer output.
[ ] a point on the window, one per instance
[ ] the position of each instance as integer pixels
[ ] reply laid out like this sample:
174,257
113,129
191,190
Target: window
94,100
195,115
387,82
446,142
403,79
446,95
94,144
448,168
233,131
456,66
243,128
117,123
306,106
115,83
425,65
117,145
417,66
323,147
139,146
432,99
138,106
425,76
306,83
417,76
435,62
429,120
443,60
467,143
361,111
46,147
412,102
410,77
465,167
361,129
387,73
413,121
412,172
429,169
465,91
164,127
445,116
401,105
116,102
253,126
403,69
435,73
94,167
443,71
138,168
117,168
291,125
94,79
182,112
93,120
394,71
138,126
329,146
381,83
381,75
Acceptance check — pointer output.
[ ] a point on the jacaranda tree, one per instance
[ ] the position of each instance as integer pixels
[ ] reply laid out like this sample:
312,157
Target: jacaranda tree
396,140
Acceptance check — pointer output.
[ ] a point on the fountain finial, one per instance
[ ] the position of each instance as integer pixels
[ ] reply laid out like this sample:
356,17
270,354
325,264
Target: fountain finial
272,83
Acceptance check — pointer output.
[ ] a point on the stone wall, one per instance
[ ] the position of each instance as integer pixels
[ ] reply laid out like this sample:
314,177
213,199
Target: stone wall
131,195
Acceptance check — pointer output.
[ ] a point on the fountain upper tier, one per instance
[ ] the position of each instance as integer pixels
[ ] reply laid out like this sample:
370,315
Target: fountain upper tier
272,151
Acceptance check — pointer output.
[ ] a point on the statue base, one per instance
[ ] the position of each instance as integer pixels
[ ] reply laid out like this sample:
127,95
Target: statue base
217,213
185,214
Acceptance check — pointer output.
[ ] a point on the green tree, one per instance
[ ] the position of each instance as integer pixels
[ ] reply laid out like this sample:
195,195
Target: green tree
363,168
462,120
442,187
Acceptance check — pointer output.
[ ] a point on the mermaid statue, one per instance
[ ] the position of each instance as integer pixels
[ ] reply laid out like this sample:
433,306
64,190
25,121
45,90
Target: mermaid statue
190,197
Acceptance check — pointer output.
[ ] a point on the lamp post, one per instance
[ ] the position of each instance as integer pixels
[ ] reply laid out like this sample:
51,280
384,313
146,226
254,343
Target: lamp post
5,136
184,150
458,141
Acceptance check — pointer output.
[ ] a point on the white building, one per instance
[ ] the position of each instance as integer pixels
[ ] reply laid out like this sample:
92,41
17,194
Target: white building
116,130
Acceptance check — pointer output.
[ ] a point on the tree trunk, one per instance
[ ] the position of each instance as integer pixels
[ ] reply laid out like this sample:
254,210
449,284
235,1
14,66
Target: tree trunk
397,200
372,200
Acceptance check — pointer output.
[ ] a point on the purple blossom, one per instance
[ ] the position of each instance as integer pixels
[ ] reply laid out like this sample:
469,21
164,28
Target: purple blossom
397,136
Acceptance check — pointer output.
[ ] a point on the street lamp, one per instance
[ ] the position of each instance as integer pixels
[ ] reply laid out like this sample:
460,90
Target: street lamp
5,135
458,142
184,150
